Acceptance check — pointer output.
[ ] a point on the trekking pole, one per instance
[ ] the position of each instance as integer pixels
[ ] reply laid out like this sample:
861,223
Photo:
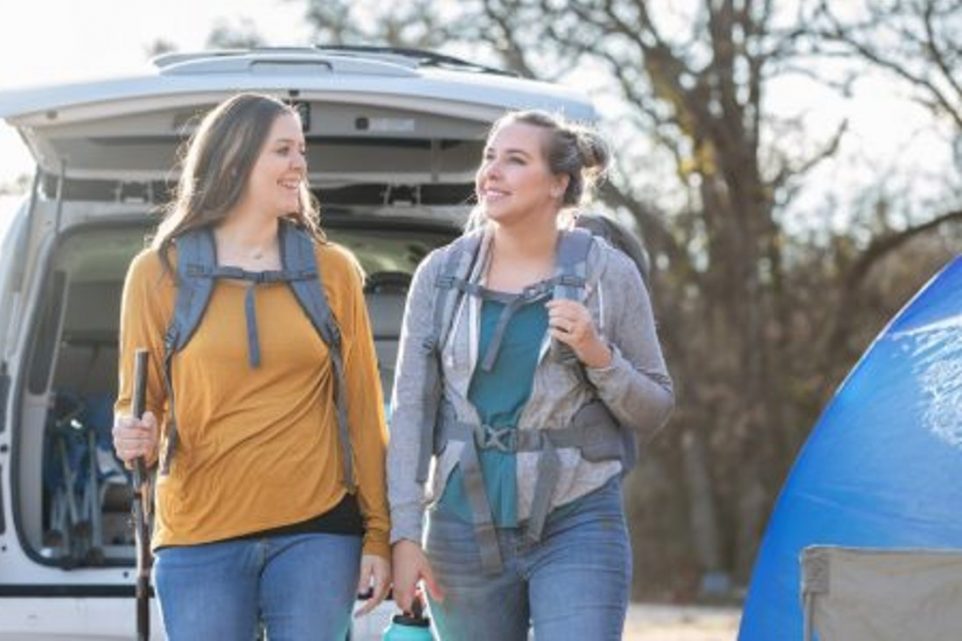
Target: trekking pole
141,496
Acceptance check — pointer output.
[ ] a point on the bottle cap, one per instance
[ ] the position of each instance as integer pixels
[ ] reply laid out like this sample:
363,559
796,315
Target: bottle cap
412,621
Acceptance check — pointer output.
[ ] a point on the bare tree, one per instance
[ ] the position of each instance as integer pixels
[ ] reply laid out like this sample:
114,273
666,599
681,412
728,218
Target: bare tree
158,47
698,91
416,23
243,35
706,169
917,42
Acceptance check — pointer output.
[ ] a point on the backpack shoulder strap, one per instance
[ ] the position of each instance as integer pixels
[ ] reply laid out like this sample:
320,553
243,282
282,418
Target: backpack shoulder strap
300,266
304,276
196,259
458,263
571,273
572,263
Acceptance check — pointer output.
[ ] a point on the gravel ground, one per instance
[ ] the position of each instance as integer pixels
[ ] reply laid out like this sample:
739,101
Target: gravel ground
646,622
681,623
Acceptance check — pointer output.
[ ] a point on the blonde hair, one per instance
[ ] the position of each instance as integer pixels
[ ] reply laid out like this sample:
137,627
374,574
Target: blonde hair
217,164
570,149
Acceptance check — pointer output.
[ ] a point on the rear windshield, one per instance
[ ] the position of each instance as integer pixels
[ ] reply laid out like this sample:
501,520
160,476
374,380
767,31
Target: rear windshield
90,267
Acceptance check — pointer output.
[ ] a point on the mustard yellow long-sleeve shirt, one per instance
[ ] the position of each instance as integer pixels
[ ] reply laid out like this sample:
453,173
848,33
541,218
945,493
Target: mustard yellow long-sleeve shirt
258,447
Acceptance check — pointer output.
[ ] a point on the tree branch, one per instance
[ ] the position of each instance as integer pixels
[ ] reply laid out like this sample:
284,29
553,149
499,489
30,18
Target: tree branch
786,173
846,36
856,273
884,245
652,227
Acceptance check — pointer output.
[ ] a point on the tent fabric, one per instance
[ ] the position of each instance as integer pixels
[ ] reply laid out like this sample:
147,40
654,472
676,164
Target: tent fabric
882,466
858,594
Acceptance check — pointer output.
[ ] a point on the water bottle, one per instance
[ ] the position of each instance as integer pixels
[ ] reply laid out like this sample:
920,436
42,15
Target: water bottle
409,626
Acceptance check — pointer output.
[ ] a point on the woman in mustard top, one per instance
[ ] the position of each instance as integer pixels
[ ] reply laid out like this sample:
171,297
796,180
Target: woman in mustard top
269,441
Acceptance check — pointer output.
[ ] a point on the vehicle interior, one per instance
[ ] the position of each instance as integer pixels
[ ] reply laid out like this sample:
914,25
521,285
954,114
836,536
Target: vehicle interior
75,506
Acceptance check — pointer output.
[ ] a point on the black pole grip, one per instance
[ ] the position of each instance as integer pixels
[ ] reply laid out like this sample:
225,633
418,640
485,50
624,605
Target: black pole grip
142,589
138,403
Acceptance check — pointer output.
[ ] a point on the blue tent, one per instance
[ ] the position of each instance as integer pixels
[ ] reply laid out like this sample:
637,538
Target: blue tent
883,466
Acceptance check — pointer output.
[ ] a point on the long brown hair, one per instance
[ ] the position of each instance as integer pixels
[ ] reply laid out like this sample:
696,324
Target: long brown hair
217,164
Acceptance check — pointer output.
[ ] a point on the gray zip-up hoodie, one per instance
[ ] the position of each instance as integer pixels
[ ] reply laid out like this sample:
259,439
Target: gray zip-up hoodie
635,386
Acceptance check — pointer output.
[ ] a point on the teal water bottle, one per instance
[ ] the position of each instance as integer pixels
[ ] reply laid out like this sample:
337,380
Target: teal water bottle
410,626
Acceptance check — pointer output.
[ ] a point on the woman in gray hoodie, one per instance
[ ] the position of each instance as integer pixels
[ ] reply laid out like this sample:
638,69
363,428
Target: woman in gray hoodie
528,366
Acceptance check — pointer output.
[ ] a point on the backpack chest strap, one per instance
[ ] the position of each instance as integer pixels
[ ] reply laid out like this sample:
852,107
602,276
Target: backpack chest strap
535,292
510,440
593,431
194,270
453,281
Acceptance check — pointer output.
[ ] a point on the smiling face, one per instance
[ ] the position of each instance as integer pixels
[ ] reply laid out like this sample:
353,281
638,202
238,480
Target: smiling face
514,182
279,173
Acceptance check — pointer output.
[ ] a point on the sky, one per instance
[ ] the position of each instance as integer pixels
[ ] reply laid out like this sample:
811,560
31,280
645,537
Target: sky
52,41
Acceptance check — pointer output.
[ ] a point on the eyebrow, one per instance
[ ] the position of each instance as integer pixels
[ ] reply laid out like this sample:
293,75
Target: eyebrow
290,141
510,151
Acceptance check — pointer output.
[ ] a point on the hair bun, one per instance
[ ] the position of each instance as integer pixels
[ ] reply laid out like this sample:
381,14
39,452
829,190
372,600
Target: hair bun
595,154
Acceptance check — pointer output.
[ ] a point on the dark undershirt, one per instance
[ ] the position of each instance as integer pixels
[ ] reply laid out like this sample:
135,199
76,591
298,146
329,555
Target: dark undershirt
343,518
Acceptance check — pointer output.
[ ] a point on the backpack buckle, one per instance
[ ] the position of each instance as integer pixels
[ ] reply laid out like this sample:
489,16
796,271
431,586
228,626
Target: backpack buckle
304,274
195,270
571,280
503,439
535,291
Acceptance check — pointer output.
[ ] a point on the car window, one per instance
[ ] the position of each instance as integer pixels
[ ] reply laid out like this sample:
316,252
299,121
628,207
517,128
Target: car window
90,266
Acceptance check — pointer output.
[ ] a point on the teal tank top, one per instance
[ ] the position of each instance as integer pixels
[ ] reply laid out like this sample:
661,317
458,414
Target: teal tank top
499,397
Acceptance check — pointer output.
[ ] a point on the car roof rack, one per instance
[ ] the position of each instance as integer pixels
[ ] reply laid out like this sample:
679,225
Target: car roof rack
403,56
421,57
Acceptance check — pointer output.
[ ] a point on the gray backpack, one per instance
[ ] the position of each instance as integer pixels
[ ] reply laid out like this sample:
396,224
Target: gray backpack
197,273
593,430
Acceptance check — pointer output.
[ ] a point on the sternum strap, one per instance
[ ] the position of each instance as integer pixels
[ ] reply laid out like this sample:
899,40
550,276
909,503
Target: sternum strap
582,434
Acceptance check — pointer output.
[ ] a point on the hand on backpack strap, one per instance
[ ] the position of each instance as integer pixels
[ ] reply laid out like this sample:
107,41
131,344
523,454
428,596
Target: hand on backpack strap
570,322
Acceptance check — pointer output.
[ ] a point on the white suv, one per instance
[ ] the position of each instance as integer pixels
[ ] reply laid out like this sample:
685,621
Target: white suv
394,137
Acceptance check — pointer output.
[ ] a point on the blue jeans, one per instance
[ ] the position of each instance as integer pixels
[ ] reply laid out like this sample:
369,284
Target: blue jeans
302,586
572,585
